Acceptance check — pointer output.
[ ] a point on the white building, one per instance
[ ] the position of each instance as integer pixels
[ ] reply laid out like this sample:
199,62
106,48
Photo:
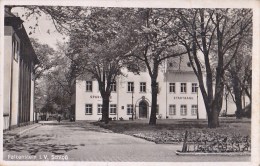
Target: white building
18,83
177,98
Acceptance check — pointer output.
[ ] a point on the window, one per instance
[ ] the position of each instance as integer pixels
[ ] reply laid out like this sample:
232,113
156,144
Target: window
99,109
112,108
183,110
89,86
129,109
183,88
142,86
194,109
172,109
172,87
88,109
157,109
170,64
15,49
130,87
113,87
194,87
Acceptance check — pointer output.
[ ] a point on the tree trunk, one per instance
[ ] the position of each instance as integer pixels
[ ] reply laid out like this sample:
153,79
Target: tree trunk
238,97
154,102
213,120
215,108
105,108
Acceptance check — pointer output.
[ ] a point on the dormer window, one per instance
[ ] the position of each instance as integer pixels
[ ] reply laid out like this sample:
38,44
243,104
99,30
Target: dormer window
89,86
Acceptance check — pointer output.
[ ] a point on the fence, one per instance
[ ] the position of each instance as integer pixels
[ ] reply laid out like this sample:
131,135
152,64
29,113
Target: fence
214,143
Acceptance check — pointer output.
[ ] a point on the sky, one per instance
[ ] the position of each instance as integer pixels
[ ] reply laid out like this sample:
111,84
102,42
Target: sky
45,25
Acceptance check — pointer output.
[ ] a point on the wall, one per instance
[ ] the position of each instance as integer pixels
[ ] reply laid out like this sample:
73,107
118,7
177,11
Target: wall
7,74
32,118
122,98
12,82
7,68
15,88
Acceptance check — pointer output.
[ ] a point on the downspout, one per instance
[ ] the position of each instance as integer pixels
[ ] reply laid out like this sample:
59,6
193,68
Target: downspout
11,87
33,79
117,92
166,78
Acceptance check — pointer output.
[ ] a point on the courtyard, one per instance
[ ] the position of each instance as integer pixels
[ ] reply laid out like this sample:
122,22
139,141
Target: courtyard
83,141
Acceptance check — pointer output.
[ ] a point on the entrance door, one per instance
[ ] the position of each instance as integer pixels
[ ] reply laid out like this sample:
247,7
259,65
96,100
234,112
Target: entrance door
142,109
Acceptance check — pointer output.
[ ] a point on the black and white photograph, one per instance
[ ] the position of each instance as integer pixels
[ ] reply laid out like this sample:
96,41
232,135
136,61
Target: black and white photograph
129,83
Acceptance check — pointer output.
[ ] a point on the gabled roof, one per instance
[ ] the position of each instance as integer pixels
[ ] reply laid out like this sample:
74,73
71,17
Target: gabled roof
181,64
14,21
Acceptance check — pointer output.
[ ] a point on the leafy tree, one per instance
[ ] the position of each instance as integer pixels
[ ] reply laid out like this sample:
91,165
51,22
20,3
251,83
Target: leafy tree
44,54
64,18
217,34
155,44
46,61
53,85
101,46
238,77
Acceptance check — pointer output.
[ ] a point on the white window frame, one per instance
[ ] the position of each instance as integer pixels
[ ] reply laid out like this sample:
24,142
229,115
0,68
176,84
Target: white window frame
112,109
183,110
89,87
194,87
172,109
130,86
172,87
183,87
88,109
143,87
113,86
194,110
99,109
129,109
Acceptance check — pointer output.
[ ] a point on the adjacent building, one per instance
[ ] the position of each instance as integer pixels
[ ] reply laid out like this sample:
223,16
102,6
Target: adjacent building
18,82
178,96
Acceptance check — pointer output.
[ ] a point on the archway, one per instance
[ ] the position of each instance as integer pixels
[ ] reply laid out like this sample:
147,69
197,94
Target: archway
143,109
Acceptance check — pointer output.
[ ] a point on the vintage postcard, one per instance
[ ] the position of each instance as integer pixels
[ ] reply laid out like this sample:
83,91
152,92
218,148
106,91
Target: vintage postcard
129,82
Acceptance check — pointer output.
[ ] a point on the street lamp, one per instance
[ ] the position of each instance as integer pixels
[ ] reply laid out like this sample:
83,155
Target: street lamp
226,97
197,102
132,102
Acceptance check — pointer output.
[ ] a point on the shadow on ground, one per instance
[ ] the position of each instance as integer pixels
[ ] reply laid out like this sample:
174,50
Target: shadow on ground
37,143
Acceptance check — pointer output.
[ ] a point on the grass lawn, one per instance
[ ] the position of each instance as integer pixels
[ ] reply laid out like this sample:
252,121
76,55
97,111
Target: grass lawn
174,129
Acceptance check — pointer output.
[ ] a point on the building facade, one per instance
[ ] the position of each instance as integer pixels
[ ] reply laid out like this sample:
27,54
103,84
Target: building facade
18,82
178,96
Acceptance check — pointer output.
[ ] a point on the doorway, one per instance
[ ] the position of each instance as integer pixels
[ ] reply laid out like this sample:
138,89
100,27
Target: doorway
143,109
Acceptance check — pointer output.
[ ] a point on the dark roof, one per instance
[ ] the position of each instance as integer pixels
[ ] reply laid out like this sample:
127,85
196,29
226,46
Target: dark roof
180,63
17,24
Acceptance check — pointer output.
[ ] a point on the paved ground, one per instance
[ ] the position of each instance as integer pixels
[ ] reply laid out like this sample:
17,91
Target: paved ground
85,142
